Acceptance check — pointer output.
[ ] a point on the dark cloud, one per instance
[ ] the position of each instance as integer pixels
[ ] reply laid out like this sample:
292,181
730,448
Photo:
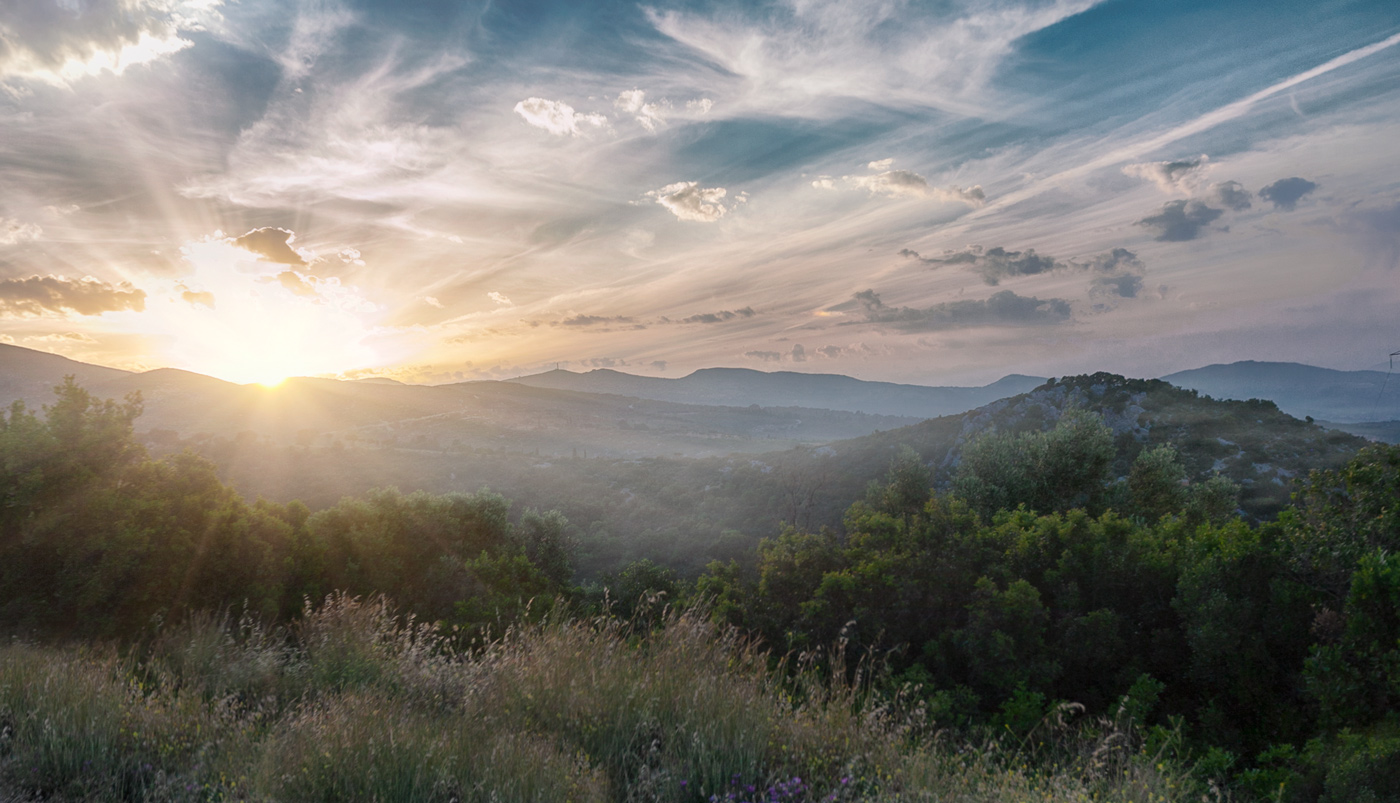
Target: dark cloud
1286,192
1117,273
719,317
766,356
596,320
271,244
604,362
1232,195
1002,309
994,264
1181,220
831,352
1117,260
1124,285
659,365
799,354
39,294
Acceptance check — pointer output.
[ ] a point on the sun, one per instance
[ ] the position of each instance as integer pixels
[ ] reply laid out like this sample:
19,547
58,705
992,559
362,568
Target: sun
247,321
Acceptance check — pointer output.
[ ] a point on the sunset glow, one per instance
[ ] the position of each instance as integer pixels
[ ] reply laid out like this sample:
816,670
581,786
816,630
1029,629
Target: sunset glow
931,194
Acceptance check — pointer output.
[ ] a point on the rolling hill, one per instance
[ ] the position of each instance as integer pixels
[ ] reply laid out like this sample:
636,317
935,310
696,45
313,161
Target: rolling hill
743,386
185,408
1301,390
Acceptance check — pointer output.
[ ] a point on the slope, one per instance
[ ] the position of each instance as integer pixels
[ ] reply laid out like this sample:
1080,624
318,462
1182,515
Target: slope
743,386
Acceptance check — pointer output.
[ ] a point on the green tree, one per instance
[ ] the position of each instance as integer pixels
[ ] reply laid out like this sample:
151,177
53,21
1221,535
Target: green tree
1048,471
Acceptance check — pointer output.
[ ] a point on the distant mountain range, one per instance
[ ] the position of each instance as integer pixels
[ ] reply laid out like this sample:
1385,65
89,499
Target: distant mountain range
740,387
1300,390
621,465
611,412
188,409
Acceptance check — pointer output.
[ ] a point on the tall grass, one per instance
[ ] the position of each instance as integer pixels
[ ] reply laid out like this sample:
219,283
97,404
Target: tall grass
357,704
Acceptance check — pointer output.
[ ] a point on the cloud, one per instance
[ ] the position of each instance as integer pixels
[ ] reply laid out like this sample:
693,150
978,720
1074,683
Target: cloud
798,354
1231,194
196,297
87,296
907,183
349,139
1286,192
1123,285
1002,309
597,320
783,59
13,231
499,298
60,42
272,244
1118,259
994,264
687,200
719,317
1118,273
648,115
558,117
652,116
659,365
603,362
766,356
297,283
1179,176
1181,220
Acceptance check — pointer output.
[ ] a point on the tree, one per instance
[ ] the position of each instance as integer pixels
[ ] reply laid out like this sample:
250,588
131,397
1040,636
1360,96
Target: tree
548,545
1063,468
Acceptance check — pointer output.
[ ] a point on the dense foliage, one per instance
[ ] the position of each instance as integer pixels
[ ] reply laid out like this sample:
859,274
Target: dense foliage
1046,573
1275,646
98,540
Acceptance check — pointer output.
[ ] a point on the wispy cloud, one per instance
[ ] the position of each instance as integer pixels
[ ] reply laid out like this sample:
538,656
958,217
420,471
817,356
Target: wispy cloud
906,183
880,52
719,317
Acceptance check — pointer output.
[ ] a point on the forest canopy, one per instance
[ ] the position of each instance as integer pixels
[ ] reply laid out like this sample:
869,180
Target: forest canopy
1037,580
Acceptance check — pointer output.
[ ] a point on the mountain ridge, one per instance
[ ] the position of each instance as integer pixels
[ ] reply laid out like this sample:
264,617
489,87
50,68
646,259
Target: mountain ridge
745,386
1300,390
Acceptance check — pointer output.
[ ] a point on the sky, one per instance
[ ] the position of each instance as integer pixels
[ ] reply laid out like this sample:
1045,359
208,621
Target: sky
937,192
